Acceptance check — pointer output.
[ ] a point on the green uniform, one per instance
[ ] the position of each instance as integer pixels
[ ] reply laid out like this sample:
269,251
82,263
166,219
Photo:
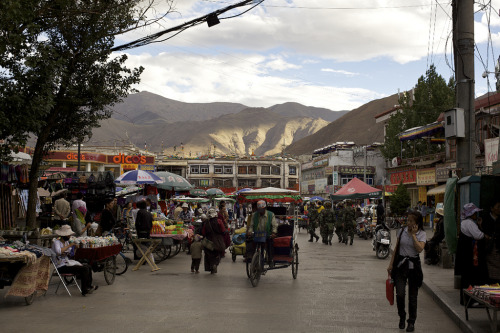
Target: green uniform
313,222
327,218
349,221
339,227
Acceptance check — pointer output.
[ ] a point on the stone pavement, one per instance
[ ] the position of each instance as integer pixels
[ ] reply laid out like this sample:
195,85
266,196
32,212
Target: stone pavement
339,289
439,283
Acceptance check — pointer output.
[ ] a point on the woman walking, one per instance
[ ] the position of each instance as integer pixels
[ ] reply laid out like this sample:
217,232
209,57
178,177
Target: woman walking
213,230
406,268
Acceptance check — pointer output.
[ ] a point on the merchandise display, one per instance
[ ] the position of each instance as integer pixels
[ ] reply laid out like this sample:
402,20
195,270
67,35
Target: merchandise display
94,242
488,293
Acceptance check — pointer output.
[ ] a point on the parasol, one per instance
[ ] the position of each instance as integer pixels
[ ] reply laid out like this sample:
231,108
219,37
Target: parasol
356,189
138,177
173,182
215,192
198,192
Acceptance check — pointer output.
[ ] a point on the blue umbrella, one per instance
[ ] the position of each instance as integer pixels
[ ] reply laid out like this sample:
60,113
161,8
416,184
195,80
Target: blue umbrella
317,198
243,190
138,177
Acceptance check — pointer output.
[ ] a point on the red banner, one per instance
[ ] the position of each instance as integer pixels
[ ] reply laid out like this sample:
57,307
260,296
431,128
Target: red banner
72,156
408,177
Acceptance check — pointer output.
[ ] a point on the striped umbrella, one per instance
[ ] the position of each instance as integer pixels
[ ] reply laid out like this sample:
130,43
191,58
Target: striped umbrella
138,177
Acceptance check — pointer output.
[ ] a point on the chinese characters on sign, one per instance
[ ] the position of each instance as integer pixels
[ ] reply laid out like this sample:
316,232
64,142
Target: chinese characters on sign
426,176
355,170
408,177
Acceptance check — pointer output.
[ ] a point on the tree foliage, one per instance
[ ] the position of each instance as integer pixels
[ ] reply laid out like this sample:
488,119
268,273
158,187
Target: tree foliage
431,96
58,76
400,200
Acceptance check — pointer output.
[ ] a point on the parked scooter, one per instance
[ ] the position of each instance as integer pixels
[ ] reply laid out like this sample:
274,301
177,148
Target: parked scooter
361,227
382,241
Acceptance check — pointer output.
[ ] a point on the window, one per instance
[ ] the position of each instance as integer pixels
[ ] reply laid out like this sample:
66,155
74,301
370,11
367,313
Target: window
292,183
204,169
223,182
228,170
292,170
329,180
246,183
242,170
252,170
218,169
275,170
195,169
270,182
265,170
200,182
205,182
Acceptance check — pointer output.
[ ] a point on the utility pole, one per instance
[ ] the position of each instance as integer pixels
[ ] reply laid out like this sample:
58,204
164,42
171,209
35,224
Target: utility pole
463,44
364,169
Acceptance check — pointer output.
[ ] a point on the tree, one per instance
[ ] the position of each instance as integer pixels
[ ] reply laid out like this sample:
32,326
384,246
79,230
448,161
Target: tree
58,77
400,200
432,96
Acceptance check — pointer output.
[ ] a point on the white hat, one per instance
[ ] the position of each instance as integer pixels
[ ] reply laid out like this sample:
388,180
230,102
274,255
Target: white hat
65,230
185,205
212,213
203,216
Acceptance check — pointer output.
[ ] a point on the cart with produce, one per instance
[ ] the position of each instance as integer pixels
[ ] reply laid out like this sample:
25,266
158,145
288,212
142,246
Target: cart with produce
238,245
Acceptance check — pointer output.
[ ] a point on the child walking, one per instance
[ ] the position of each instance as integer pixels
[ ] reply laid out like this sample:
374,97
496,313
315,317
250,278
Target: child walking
196,249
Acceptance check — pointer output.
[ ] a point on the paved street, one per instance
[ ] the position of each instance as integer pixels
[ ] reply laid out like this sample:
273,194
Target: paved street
339,289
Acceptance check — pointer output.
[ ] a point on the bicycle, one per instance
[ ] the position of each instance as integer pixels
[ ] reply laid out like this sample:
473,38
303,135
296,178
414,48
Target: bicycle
124,236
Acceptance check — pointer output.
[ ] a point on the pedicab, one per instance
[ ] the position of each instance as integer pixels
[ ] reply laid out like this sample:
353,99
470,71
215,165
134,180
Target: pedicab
284,248
238,243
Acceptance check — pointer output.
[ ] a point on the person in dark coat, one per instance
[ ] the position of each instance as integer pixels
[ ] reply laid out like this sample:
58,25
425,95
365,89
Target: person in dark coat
491,228
213,230
380,213
470,262
432,246
143,225
108,220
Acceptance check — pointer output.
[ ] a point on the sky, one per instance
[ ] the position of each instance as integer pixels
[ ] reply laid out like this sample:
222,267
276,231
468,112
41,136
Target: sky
333,54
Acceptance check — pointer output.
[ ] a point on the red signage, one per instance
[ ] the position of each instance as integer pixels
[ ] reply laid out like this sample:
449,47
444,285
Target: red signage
128,159
408,177
72,156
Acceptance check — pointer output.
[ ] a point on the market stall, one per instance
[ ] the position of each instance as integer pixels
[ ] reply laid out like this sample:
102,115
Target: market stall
25,268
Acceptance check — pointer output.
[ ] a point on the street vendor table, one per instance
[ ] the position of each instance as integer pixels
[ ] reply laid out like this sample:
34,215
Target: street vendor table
487,305
30,278
101,259
153,243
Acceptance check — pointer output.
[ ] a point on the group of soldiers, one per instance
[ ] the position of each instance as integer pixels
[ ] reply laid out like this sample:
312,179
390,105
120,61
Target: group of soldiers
341,219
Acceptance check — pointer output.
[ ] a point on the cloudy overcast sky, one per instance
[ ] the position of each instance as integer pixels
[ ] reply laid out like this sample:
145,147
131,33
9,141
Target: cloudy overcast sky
327,53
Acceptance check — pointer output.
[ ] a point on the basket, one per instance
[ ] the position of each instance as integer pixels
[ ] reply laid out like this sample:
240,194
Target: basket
259,236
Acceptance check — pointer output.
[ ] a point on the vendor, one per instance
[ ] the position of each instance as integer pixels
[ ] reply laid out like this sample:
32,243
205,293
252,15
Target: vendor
62,210
185,215
108,221
79,213
64,250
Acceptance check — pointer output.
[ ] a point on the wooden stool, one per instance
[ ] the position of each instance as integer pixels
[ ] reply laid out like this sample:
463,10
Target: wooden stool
145,255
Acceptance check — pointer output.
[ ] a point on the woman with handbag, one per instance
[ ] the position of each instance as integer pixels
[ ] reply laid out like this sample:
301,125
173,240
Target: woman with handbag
406,268
213,242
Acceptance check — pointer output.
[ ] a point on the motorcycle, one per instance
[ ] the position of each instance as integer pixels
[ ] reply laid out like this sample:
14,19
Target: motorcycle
361,227
382,241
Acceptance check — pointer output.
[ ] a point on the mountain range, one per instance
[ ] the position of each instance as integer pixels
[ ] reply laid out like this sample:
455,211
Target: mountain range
196,128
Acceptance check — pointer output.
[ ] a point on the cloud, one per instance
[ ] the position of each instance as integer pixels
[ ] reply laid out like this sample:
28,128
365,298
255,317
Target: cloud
339,71
239,79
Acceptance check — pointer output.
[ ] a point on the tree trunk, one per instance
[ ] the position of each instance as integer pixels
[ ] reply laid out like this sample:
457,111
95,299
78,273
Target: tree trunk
33,183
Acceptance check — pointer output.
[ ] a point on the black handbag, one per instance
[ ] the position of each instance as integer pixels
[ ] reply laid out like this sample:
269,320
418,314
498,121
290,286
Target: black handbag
208,244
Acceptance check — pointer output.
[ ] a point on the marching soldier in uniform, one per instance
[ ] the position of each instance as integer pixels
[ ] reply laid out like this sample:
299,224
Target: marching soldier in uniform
349,221
312,215
339,224
327,218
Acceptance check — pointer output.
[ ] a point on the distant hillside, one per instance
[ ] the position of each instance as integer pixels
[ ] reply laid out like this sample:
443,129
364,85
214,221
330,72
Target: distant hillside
291,109
358,125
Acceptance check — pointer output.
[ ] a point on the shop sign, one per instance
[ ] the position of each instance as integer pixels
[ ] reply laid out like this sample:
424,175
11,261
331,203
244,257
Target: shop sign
320,162
355,170
490,151
72,156
127,159
329,170
426,176
320,185
422,194
129,166
329,189
391,188
310,189
307,165
147,167
408,177
335,178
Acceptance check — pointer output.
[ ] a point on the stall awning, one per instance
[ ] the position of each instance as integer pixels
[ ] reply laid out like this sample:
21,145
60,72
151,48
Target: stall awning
437,190
419,132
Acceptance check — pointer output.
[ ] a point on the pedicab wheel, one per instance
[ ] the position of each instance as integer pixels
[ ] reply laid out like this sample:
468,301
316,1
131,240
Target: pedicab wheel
110,269
29,299
248,264
255,269
121,264
295,263
161,253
